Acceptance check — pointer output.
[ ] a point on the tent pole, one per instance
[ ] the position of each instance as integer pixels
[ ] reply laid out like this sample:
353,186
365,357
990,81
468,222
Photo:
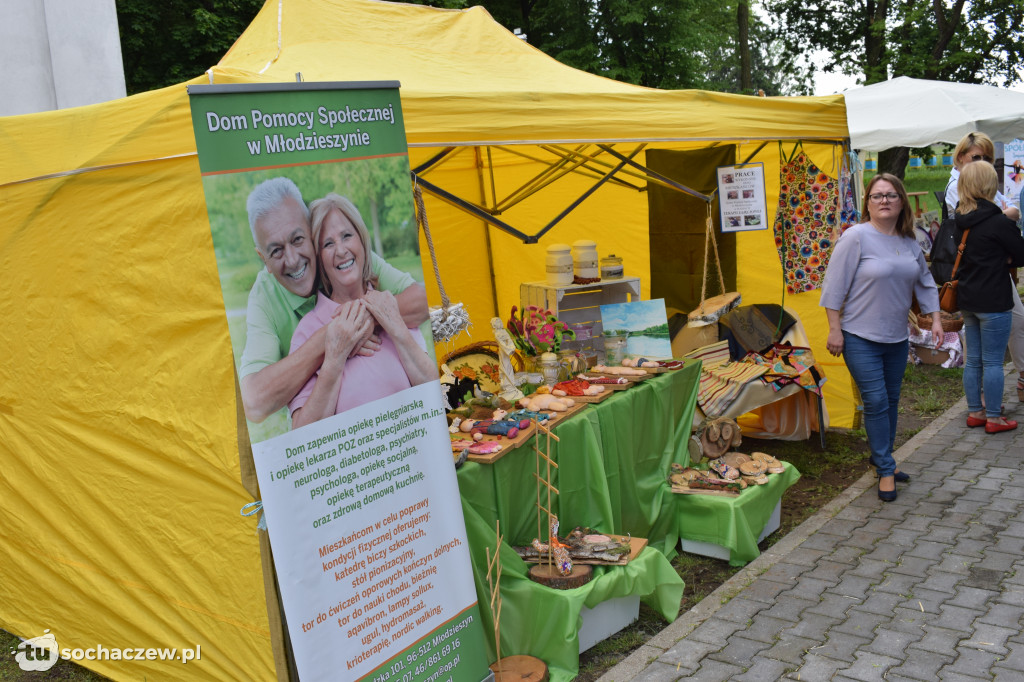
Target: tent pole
653,174
472,208
436,160
596,172
536,183
487,229
586,194
490,173
586,171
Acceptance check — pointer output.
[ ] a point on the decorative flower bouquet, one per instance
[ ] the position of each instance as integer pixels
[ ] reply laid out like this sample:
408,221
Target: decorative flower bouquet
536,330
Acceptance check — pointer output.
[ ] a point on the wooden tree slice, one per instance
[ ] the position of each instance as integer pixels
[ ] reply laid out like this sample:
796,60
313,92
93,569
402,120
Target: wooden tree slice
712,449
718,435
550,577
520,669
695,449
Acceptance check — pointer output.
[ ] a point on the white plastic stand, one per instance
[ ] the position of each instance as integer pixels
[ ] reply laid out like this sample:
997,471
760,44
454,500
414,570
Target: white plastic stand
718,551
607,618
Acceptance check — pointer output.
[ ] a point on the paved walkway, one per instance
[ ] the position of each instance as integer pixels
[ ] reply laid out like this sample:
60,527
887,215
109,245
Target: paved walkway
929,587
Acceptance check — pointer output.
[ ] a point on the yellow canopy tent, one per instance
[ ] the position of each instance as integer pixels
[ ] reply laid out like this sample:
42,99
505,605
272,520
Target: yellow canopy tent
122,484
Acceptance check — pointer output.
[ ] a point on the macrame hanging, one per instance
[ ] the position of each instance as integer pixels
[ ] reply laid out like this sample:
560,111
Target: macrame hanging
446,321
711,309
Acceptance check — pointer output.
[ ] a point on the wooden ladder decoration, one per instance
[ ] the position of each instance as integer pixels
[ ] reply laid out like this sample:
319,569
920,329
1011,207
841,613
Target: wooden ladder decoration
494,568
546,482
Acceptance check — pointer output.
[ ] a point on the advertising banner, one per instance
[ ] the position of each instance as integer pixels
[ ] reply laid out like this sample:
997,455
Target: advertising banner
741,197
1013,170
310,205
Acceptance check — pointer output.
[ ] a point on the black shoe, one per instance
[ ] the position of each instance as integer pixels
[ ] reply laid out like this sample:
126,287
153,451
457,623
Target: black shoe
886,495
899,476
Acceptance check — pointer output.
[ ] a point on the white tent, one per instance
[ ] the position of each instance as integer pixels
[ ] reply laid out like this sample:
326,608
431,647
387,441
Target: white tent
911,112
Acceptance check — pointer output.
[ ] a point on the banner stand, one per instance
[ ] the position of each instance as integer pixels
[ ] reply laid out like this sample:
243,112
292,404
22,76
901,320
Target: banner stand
284,661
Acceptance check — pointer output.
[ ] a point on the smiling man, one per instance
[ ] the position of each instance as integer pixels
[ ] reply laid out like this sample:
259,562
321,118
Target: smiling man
285,290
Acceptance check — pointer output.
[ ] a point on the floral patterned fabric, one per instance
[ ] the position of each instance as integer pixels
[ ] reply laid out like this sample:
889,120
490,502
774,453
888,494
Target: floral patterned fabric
807,217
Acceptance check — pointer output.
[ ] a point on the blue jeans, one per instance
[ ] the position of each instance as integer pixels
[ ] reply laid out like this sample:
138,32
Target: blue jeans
878,370
987,335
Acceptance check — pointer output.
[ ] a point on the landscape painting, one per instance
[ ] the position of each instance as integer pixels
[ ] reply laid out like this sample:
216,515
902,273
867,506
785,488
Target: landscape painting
645,326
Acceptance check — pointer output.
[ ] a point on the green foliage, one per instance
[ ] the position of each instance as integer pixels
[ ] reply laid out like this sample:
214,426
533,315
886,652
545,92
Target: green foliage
678,44
378,187
167,42
949,40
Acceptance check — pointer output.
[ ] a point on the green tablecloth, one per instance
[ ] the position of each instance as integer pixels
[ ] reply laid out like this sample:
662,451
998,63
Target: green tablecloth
545,623
733,522
613,459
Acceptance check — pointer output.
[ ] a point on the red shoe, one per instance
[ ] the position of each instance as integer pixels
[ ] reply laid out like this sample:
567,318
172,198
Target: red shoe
976,421
995,427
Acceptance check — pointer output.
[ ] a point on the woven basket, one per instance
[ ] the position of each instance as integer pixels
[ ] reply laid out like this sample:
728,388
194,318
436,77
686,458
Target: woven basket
951,322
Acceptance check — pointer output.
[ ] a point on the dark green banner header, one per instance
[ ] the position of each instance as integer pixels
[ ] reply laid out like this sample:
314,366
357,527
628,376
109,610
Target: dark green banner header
246,127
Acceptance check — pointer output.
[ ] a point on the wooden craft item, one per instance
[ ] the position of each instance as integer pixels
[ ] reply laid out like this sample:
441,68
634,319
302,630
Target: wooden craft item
611,387
718,436
562,416
520,669
695,449
636,545
509,444
680,490
712,309
591,399
736,459
547,575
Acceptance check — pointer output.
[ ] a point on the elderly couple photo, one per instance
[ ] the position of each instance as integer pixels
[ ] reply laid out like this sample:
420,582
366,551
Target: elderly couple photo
328,323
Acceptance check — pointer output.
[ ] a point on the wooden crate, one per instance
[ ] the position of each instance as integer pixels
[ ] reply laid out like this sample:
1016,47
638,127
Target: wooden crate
580,303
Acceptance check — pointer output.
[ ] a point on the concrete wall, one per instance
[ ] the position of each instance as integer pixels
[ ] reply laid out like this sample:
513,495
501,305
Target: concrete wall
58,54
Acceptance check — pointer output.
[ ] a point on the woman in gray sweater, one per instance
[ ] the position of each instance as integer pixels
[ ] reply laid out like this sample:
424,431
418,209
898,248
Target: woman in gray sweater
873,274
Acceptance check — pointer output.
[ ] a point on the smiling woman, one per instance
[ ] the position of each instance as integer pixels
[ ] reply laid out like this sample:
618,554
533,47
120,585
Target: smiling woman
352,310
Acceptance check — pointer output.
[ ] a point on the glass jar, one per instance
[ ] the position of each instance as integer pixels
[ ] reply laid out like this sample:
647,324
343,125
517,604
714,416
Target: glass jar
611,267
549,367
569,365
614,349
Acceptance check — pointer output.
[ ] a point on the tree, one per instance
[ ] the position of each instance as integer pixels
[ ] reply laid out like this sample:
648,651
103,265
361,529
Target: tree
170,41
673,44
962,41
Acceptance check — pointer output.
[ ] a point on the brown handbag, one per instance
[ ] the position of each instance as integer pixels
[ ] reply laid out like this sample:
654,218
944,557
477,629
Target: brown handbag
947,292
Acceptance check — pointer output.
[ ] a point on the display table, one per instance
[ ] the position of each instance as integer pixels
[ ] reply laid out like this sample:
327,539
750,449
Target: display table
613,459
791,413
545,623
733,523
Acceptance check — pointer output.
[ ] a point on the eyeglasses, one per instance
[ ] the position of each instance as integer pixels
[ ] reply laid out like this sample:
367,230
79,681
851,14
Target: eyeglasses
981,157
891,196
